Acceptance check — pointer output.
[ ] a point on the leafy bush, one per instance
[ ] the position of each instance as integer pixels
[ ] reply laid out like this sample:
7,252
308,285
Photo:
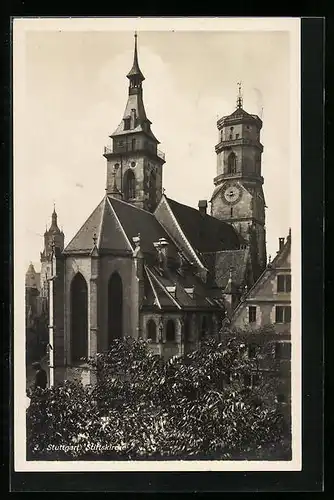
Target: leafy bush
142,407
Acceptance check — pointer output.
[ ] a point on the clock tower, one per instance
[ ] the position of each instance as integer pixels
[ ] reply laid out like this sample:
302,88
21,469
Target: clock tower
238,195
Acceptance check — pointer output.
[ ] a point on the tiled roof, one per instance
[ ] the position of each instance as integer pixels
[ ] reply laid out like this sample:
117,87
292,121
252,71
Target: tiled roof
241,114
219,264
104,224
286,249
115,223
204,232
134,220
190,292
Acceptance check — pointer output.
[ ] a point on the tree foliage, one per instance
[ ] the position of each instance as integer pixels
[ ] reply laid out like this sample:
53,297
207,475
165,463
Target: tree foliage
196,406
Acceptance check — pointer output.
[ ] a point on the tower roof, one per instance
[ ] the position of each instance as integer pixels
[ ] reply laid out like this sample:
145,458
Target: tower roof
134,112
54,224
239,114
135,70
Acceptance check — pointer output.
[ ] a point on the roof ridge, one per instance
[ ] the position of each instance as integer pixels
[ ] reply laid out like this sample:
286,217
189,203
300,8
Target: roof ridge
152,286
132,206
120,224
186,240
164,289
101,223
83,225
211,217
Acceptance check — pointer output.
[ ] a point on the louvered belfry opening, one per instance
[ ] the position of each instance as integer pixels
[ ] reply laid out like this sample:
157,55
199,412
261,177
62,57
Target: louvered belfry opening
115,308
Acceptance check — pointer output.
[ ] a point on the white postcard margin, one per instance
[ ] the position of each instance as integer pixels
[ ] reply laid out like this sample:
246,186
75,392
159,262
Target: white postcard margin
291,25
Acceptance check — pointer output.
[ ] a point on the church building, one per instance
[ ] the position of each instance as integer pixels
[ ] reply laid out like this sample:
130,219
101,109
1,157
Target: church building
145,265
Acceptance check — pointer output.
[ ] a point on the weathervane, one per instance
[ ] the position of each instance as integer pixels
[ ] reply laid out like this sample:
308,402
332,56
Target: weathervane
239,98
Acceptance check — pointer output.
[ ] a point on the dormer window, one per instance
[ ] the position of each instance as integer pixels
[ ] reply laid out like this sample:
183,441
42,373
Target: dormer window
171,290
127,123
190,292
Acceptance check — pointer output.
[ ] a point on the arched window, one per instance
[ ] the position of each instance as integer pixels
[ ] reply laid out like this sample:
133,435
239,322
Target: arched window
232,164
129,185
115,308
152,190
79,318
170,331
187,330
204,327
151,329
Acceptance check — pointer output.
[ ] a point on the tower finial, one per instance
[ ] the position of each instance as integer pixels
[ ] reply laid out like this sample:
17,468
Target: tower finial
135,75
239,98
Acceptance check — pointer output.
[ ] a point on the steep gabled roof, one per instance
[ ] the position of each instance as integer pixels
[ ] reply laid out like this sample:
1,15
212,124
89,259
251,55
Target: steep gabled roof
134,220
204,232
189,292
104,224
271,267
220,263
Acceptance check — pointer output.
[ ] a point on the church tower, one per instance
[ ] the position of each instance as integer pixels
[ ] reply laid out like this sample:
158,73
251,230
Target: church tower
52,236
238,197
134,163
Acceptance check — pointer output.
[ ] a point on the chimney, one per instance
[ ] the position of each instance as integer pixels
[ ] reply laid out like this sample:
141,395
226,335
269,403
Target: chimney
162,249
280,244
202,206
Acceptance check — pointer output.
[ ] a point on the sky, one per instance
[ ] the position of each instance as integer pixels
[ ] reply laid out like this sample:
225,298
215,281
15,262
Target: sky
72,94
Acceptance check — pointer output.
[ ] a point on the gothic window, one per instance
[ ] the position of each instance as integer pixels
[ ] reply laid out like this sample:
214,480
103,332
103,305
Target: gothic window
151,328
204,327
170,331
187,330
79,318
115,307
129,185
231,164
231,211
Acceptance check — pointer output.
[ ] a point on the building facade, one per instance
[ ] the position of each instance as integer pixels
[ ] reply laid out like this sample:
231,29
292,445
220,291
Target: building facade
266,309
145,265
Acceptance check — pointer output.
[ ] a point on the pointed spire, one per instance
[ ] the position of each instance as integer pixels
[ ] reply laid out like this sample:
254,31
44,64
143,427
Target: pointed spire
135,75
115,192
239,98
54,216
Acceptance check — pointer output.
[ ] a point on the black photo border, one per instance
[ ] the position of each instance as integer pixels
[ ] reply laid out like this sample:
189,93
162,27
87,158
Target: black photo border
310,478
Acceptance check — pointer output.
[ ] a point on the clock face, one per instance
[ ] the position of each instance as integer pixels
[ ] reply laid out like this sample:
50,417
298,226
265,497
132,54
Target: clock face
232,194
